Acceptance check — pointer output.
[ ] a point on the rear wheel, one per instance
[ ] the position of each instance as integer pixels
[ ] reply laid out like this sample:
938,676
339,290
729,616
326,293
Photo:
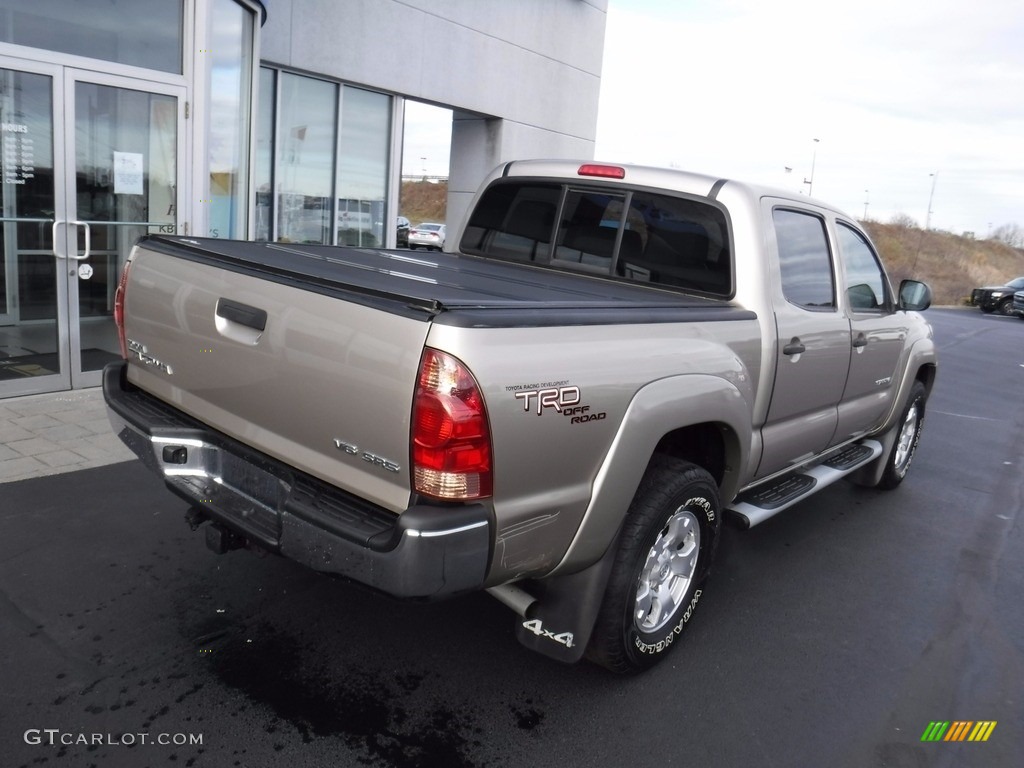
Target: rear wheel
907,438
665,551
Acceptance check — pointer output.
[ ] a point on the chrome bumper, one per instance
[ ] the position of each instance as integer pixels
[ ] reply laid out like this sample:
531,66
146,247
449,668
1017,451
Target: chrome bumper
425,552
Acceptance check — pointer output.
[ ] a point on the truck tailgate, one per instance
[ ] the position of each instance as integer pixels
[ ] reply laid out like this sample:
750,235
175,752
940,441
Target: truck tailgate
308,382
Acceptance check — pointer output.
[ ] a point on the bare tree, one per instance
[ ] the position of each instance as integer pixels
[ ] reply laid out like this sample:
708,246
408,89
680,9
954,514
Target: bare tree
1010,234
903,221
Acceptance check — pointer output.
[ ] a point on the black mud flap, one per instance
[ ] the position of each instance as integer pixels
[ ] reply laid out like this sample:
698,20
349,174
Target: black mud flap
559,624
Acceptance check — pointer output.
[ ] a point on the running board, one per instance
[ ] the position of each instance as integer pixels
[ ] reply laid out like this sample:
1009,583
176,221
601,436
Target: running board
761,502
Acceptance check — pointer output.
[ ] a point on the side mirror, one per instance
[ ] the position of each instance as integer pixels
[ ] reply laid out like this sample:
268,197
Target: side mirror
915,296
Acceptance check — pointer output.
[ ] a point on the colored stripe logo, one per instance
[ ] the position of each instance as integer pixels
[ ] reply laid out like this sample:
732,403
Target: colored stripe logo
959,730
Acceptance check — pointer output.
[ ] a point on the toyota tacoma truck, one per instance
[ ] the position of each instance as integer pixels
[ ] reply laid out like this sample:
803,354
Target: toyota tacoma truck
562,413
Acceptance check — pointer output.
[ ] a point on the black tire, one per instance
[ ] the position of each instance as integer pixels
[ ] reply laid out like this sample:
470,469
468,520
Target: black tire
1006,306
673,523
908,435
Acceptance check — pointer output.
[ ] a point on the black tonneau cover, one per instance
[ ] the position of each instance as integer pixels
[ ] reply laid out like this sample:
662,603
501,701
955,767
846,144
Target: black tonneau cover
452,289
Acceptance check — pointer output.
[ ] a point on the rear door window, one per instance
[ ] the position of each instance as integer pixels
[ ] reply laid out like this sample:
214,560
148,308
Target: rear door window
804,260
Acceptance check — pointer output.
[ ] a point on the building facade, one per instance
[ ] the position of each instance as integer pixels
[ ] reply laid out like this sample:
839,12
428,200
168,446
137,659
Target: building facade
277,120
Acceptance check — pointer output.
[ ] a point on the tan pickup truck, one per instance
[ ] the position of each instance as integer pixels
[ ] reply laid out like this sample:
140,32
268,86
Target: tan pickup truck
561,413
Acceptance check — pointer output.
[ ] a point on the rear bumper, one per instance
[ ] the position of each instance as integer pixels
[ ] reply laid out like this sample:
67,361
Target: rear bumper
425,552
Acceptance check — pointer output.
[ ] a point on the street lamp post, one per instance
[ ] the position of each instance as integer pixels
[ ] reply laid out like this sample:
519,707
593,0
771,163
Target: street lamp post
810,182
931,196
866,198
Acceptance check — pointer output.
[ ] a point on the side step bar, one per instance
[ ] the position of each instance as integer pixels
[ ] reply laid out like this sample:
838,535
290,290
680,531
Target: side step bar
761,502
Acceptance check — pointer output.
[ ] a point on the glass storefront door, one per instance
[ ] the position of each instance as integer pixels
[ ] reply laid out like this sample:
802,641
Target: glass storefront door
89,163
122,143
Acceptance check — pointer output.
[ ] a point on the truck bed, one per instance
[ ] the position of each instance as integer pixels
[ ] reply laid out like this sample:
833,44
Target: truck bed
450,289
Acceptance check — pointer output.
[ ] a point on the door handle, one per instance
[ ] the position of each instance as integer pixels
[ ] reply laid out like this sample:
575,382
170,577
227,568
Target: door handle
56,251
860,341
243,314
88,240
795,347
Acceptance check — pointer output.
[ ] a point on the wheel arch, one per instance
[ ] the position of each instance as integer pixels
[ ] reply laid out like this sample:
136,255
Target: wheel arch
702,419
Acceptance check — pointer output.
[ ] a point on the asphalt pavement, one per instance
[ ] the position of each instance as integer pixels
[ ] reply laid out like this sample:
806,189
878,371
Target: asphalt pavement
831,635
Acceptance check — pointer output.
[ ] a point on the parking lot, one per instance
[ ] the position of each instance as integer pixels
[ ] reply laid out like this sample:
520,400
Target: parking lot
833,634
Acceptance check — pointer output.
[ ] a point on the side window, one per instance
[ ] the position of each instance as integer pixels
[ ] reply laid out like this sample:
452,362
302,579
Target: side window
866,286
804,259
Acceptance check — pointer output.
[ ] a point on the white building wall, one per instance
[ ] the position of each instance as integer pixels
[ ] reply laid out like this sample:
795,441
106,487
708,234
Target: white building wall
522,76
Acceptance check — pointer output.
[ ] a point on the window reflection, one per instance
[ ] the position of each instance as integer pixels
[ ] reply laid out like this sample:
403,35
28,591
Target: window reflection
142,33
362,167
28,271
263,173
229,61
305,155
318,180
804,260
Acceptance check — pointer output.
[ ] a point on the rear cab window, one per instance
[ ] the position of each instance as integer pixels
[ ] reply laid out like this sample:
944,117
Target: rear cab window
636,235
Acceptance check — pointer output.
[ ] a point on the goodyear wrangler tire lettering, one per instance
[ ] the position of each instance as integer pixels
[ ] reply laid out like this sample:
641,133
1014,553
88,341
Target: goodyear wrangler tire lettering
676,630
666,546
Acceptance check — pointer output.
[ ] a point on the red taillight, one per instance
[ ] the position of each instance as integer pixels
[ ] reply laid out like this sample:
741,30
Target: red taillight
604,171
119,294
451,442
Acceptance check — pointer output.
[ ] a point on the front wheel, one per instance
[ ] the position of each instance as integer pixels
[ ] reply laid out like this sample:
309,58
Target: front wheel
665,551
1006,306
907,438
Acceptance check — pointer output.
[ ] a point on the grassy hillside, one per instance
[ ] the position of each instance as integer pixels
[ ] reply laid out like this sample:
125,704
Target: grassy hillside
951,264
422,201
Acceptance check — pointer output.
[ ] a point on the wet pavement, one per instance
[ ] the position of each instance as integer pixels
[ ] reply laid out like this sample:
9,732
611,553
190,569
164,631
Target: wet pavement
830,635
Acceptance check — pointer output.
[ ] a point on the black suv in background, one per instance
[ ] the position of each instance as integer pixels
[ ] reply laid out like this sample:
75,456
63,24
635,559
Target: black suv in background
997,297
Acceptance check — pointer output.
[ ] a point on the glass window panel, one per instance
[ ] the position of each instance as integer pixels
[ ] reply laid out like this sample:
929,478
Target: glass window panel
28,273
865,283
230,59
305,151
589,228
363,167
26,145
125,156
676,242
125,186
141,33
263,175
513,221
805,260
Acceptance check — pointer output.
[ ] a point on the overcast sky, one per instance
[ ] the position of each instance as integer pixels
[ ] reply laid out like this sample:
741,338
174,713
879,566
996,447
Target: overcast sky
894,90
427,140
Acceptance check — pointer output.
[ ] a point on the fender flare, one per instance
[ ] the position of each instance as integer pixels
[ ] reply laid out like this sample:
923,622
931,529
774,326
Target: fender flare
656,410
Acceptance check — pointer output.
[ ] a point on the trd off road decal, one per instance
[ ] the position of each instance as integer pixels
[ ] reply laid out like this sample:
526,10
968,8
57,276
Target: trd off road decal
555,397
